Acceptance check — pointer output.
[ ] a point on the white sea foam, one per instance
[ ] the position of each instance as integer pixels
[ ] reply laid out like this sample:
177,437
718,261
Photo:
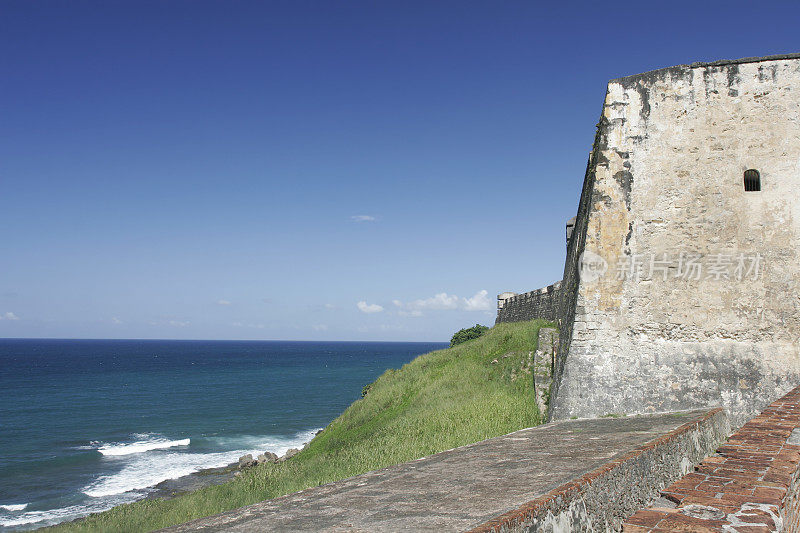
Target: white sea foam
262,443
54,516
33,517
145,470
149,442
14,506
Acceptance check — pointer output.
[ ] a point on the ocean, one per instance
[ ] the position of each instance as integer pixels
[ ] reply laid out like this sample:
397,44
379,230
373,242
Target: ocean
89,424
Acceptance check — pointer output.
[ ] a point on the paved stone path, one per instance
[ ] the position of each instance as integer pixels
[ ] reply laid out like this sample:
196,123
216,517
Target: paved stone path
458,489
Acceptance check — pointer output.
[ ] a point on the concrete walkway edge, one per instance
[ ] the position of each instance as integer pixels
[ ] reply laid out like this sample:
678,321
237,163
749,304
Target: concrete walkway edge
602,499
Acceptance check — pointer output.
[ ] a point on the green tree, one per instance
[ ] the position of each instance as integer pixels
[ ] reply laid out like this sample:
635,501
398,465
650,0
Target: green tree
467,334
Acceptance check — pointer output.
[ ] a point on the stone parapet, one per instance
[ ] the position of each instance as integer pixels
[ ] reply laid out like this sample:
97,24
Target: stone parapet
601,499
750,484
542,303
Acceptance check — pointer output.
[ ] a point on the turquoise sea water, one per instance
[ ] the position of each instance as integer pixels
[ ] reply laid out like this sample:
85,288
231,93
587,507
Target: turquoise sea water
89,424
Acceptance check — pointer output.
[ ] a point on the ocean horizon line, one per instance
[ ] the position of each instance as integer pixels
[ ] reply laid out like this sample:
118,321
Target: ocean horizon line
214,340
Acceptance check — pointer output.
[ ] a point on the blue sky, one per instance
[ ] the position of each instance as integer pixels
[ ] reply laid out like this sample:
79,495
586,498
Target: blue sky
310,170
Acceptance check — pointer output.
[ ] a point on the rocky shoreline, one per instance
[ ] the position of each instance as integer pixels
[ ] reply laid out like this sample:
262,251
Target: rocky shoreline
172,488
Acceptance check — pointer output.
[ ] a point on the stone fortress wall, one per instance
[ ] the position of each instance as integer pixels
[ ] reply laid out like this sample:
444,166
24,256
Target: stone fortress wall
541,303
688,295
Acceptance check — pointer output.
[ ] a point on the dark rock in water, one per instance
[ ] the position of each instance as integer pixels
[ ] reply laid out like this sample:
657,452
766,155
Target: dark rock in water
291,452
318,432
246,461
267,457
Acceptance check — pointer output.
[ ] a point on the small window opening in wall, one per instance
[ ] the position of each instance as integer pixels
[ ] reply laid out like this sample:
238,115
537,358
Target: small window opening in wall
752,180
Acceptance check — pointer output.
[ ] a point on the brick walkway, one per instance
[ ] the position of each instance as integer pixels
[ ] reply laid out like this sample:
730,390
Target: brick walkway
750,485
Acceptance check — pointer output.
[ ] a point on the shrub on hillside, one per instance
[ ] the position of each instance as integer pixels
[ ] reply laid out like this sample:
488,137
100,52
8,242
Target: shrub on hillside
467,334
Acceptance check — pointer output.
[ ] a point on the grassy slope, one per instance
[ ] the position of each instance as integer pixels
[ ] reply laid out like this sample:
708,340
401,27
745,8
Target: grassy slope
438,401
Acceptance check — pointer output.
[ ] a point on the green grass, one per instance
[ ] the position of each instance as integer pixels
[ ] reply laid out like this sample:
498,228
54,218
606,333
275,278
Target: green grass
438,401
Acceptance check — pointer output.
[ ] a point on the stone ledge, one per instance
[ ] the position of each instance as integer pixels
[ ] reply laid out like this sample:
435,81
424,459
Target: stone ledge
749,485
604,497
703,64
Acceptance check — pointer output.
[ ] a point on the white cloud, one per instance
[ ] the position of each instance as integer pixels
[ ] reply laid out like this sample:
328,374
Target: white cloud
439,301
479,302
115,320
362,218
320,327
223,302
443,301
369,308
329,306
9,316
241,325
179,323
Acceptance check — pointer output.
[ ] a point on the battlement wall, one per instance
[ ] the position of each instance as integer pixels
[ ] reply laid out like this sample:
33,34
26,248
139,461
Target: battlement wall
542,303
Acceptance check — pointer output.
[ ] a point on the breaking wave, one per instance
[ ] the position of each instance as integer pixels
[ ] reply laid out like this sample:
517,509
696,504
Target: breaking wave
54,516
145,462
14,507
145,470
149,442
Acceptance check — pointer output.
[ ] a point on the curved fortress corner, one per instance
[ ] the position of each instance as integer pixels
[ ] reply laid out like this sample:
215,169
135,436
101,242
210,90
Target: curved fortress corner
689,230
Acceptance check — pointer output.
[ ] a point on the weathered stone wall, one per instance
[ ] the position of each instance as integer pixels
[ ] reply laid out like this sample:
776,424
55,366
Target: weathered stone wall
543,362
664,192
569,283
750,484
602,499
542,303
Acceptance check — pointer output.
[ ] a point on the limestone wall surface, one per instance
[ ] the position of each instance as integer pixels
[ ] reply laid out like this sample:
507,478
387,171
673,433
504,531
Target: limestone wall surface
543,362
689,289
569,283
